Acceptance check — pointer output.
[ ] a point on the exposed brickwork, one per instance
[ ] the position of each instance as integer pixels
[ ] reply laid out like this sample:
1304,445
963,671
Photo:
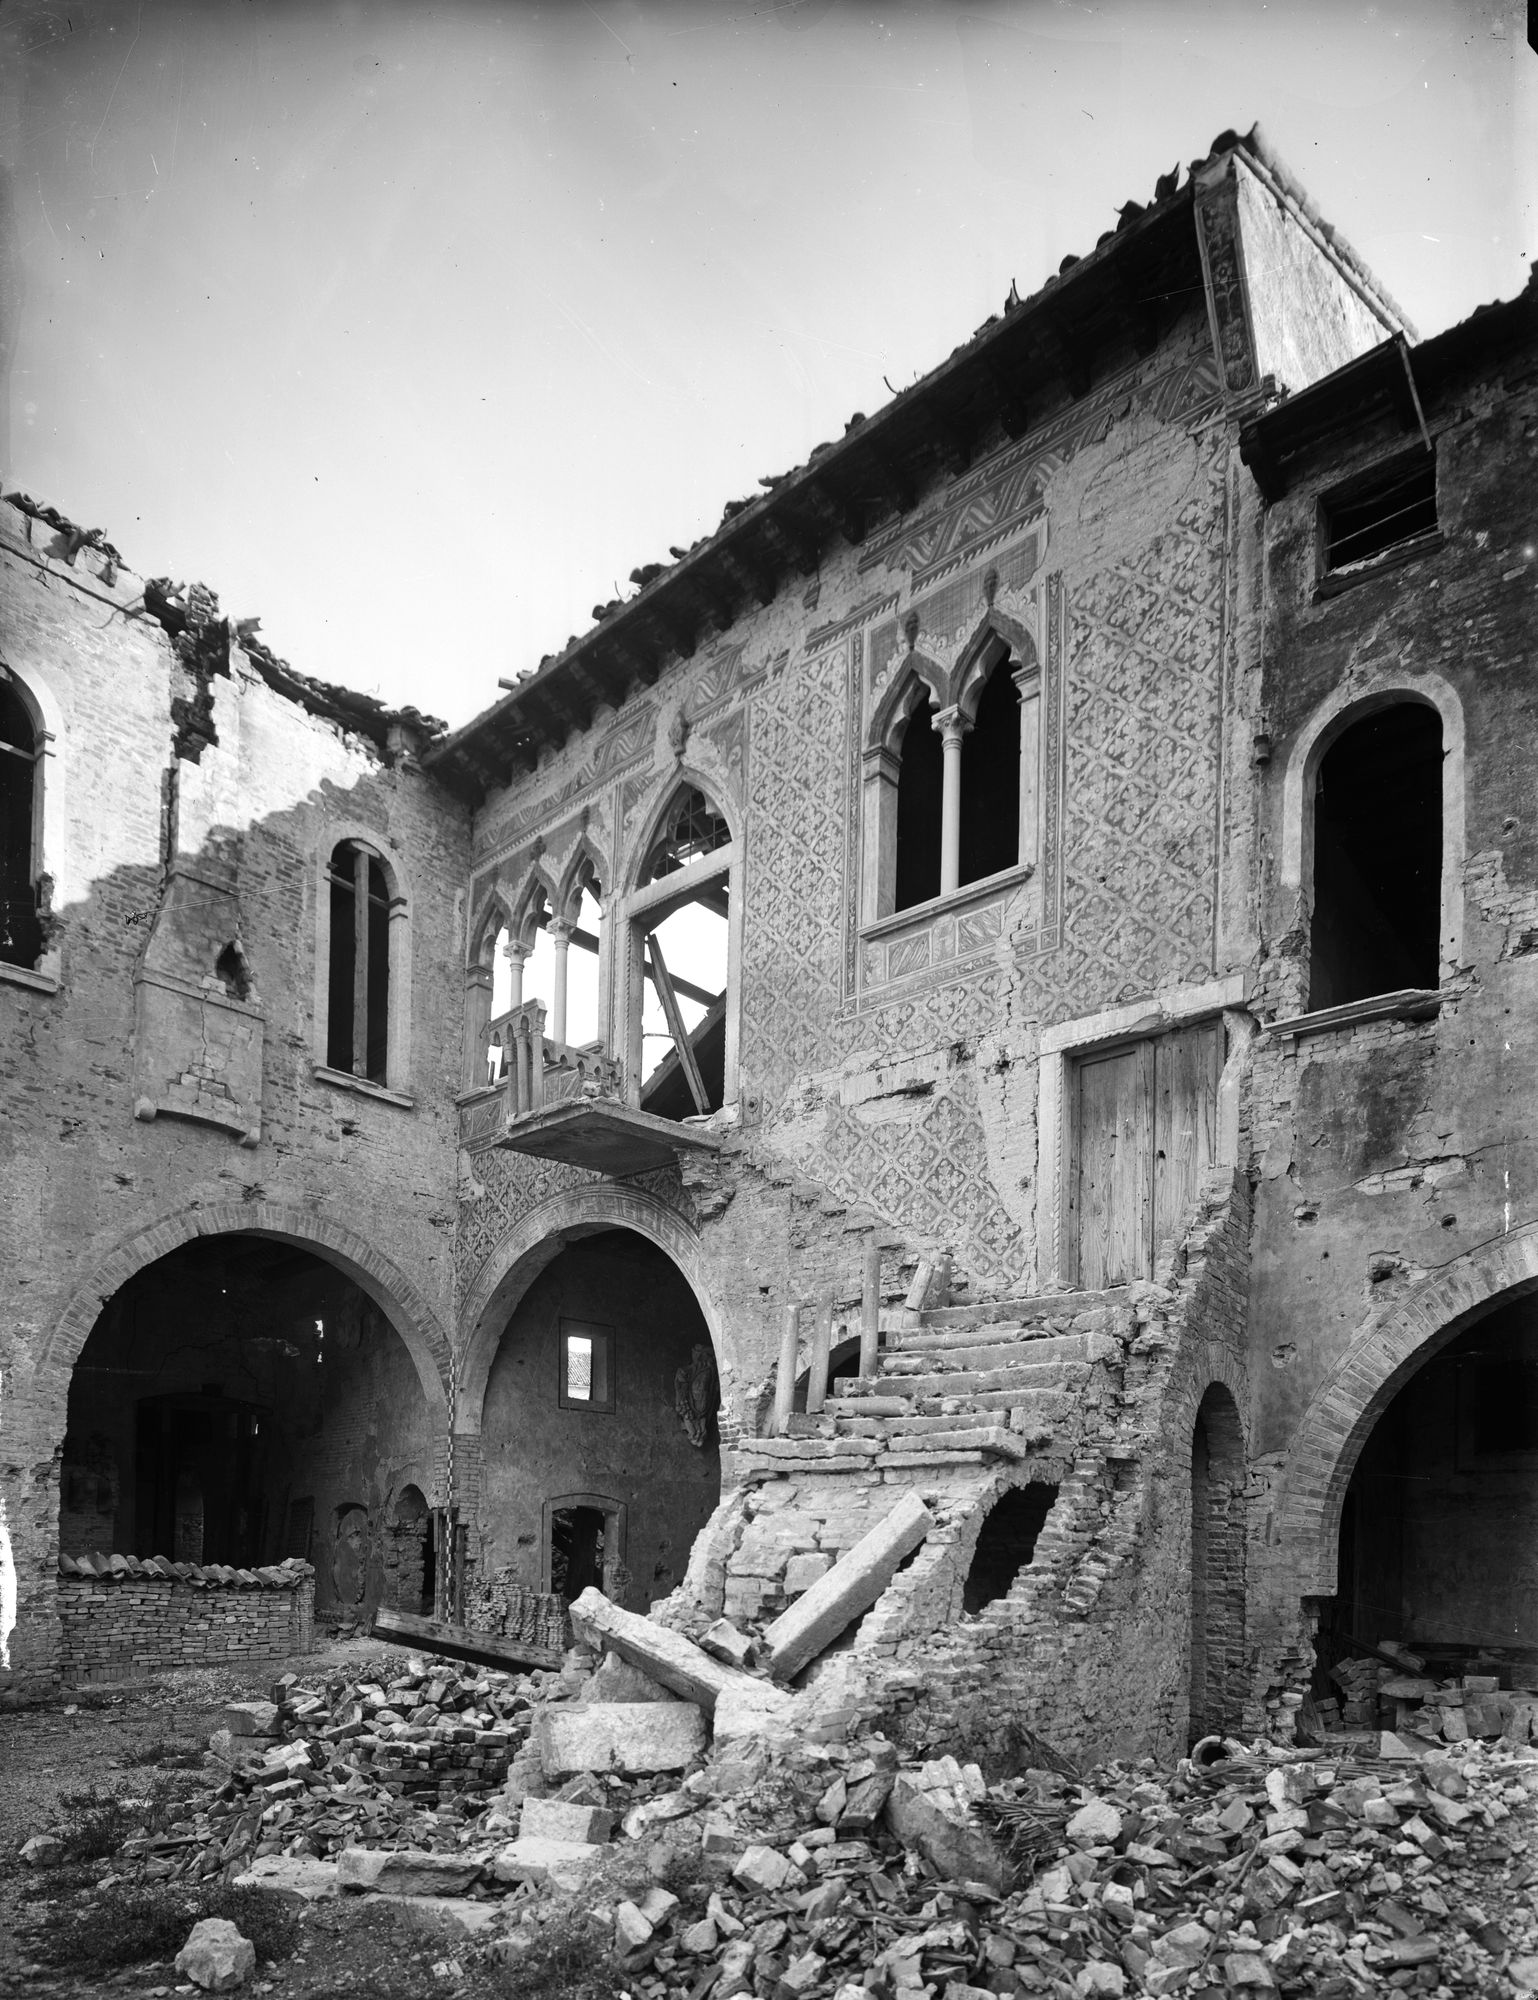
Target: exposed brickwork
122,1627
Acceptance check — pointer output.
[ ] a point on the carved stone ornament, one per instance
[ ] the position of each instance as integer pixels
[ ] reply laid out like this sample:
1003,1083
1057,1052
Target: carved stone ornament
694,1395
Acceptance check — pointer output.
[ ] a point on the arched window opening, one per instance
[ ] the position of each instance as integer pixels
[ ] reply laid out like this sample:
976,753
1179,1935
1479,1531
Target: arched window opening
683,1019
233,973
681,962
1217,1565
1006,1544
690,829
21,935
990,780
584,945
920,790
1378,858
1439,1526
358,1006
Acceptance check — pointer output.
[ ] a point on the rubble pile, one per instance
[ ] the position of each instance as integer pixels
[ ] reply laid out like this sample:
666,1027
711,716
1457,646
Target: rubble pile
1403,1698
747,1859
315,1769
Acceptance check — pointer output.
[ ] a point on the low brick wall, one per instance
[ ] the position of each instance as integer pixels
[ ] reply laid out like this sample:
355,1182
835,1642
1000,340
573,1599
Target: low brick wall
122,1617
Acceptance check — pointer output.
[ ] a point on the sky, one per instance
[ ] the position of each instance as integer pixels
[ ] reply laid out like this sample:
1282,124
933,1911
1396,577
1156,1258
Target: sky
412,329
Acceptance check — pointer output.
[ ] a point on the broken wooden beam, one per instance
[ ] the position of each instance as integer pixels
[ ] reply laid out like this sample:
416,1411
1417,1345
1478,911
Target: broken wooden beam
668,1658
853,1584
459,1642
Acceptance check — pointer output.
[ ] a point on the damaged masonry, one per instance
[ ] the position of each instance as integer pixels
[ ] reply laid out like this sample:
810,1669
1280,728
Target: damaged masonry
888,1216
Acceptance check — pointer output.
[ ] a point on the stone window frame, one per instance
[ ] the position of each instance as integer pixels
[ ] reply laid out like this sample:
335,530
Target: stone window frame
954,694
1329,721
396,1087
50,820
1059,1052
639,905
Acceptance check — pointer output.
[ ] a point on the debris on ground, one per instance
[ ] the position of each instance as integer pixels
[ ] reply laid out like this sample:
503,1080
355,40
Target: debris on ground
522,1818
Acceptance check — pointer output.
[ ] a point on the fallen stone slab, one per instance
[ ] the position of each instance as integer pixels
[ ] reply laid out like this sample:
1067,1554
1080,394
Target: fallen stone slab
853,1584
43,1850
406,1871
456,1916
295,1878
667,1657
620,1736
939,1824
560,1819
216,1956
617,1680
562,1864
250,1718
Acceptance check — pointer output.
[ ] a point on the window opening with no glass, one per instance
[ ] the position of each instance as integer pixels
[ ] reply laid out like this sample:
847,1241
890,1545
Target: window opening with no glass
587,1366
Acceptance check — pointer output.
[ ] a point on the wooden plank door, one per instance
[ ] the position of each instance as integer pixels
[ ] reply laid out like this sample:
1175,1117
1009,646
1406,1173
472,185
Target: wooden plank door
1186,1068
1115,1166
1144,1130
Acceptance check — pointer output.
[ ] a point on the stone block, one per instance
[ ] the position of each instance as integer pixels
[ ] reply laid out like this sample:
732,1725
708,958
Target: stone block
801,1572
558,1819
216,1956
560,1863
620,1736
250,1718
724,1642
939,1824
295,1878
456,1916
667,1657
617,1680
406,1871
764,1870
631,1930
1096,1824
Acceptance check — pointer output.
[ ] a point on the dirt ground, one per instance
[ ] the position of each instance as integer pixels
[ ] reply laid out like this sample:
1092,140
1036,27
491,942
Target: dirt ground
126,1741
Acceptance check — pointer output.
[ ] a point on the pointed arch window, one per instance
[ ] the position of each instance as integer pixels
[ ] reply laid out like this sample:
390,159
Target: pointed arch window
681,929
952,788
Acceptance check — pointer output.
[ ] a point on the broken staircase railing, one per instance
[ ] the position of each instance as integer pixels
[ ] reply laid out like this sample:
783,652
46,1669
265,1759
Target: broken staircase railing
931,1277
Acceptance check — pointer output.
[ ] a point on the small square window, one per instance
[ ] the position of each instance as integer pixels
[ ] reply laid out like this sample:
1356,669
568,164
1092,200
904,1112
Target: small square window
587,1366
1385,513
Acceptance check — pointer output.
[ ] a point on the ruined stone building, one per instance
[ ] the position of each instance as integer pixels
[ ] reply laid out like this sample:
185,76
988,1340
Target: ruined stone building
1007,970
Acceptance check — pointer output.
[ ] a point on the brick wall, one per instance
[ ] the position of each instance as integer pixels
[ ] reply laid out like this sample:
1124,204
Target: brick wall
120,1618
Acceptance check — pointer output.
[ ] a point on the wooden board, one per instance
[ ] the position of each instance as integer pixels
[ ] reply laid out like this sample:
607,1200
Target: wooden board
1186,1067
1144,1131
459,1642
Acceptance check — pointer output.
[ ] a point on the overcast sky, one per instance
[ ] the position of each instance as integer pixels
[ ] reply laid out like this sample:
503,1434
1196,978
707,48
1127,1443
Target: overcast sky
414,328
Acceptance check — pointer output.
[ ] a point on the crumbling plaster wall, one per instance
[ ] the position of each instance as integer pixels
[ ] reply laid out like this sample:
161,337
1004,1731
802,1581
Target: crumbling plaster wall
898,1091
1388,1149
85,1187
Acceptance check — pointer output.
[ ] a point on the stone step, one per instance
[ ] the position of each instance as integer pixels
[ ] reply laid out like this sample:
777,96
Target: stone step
909,1425
1043,1305
1049,1350
967,1383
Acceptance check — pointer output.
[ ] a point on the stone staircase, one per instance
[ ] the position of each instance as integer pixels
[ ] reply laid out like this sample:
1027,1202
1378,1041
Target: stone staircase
959,1385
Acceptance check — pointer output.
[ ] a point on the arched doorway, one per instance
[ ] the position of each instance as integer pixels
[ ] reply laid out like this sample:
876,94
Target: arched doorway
1438,1535
240,1400
600,1454
1217,1564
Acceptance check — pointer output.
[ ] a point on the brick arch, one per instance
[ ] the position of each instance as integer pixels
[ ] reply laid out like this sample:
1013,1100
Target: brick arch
1374,1368
402,1304
536,1240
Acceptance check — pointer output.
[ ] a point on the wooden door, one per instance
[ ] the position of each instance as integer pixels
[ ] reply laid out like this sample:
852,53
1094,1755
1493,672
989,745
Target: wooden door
1115,1166
1145,1127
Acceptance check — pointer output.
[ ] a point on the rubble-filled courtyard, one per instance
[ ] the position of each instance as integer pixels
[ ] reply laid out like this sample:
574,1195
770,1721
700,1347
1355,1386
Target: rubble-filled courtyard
374,1821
